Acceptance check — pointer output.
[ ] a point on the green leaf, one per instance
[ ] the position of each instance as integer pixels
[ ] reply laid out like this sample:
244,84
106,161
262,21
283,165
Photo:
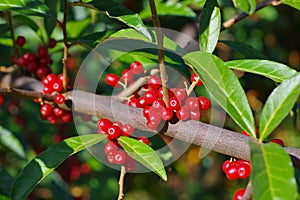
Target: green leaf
143,154
47,161
224,87
28,7
247,6
6,182
22,19
210,26
133,34
292,3
169,8
8,140
270,69
278,105
244,49
118,11
272,174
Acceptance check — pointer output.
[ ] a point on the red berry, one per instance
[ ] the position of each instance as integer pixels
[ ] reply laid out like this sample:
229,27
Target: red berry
44,61
195,115
48,90
174,103
22,62
58,112
244,169
113,132
195,78
60,78
150,96
146,111
154,82
278,141
136,67
118,124
127,130
1,100
21,40
143,139
160,93
225,165
112,80
13,59
32,66
51,43
120,157
179,93
128,75
130,164
167,113
43,52
133,102
183,114
204,103
192,103
57,86
66,117
245,133
232,172
41,71
51,79
239,194
46,110
158,104
52,119
104,124
59,98
30,57
110,148
142,102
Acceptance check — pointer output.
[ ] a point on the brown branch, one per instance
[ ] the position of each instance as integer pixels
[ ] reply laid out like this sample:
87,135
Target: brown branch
161,54
243,15
228,142
121,182
25,94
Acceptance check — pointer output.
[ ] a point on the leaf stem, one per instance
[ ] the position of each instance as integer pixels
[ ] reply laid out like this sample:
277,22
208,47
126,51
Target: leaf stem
12,33
161,55
66,45
121,182
243,15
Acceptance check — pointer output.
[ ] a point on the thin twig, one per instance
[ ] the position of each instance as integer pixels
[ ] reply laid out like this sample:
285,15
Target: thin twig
248,193
243,15
25,94
121,182
12,33
66,46
161,54
9,69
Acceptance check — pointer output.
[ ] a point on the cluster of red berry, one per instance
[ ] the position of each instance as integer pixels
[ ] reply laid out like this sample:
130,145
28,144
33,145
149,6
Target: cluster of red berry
235,169
38,63
52,113
136,68
180,106
114,152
